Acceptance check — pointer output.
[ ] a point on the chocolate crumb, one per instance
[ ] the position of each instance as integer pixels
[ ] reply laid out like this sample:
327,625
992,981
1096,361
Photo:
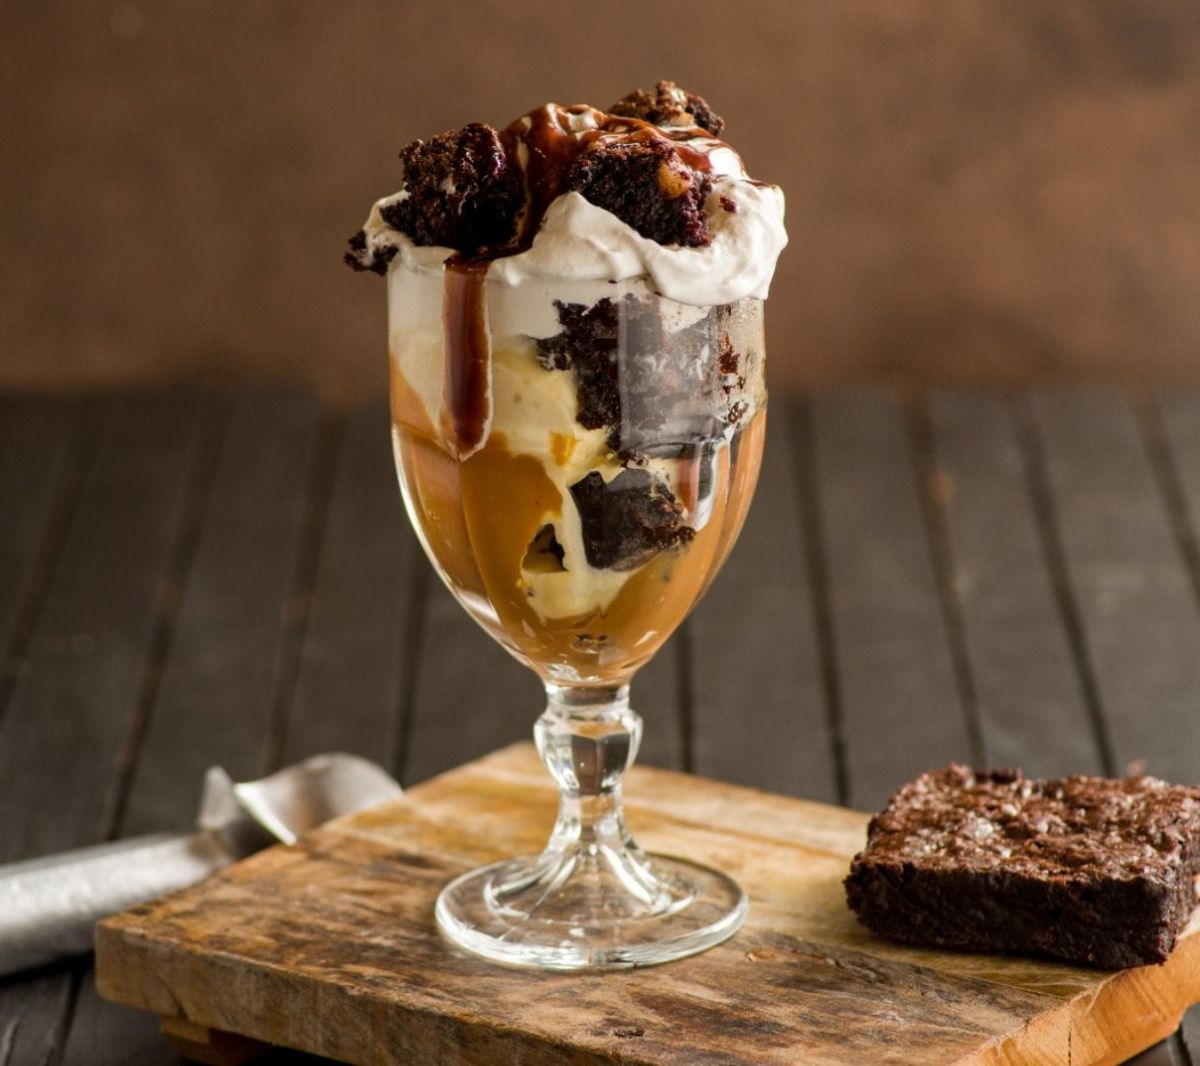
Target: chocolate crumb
361,258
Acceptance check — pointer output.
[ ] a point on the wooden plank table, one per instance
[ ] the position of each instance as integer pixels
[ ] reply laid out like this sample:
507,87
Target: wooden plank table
186,580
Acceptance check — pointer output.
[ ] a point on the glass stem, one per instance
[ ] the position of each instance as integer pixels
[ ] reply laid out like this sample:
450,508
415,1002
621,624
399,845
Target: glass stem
588,738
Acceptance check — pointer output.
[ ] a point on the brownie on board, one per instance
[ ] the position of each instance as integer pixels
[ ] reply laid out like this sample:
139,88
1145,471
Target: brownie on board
1090,869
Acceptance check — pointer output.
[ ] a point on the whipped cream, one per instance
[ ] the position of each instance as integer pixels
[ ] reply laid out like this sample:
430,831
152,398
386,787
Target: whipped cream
576,240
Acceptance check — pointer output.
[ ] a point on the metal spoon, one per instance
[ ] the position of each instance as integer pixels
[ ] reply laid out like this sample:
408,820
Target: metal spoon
49,906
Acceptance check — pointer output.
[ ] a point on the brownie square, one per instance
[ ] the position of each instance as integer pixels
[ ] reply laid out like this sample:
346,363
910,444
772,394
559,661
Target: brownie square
1090,869
647,185
464,190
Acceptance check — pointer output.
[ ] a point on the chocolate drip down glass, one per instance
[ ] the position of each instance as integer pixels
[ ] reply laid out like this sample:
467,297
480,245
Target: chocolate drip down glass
577,460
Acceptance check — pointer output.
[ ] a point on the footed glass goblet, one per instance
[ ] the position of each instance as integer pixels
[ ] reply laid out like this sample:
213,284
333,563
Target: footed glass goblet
577,460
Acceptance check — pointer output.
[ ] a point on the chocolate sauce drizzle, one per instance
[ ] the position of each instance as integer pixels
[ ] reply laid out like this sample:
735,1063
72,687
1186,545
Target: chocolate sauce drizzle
550,146
468,350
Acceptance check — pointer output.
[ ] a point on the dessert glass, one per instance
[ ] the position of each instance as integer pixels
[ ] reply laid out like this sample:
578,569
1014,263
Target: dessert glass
577,484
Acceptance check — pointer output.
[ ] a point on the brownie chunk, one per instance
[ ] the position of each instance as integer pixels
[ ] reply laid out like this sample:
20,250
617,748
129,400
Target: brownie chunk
661,394
1090,869
589,345
484,192
669,105
647,185
464,191
628,520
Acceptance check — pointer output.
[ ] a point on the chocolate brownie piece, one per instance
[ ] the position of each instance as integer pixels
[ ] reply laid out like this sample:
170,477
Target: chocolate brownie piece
463,190
669,105
589,345
628,520
647,185
484,192
660,393
1090,869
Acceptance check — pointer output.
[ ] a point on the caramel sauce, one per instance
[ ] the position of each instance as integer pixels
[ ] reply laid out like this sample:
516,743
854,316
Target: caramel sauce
552,145
477,517
746,462
506,499
431,479
687,481
562,447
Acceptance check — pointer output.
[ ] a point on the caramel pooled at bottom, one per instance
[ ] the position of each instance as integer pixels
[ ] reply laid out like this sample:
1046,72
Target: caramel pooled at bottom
477,517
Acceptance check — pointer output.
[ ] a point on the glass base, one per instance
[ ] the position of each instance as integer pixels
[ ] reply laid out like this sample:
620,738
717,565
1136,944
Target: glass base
597,911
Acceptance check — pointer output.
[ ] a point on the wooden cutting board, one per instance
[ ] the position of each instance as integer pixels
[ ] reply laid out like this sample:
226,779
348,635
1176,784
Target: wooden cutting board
330,947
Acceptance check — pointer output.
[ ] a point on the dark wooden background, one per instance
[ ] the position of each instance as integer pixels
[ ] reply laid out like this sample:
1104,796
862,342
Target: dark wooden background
978,190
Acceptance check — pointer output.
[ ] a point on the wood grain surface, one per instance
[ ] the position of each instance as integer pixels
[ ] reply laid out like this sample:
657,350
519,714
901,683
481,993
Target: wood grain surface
330,947
120,530
902,709
1021,661
94,635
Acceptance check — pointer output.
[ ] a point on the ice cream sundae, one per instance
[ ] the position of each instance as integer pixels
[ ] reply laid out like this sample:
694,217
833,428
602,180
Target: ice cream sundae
575,328
575,319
